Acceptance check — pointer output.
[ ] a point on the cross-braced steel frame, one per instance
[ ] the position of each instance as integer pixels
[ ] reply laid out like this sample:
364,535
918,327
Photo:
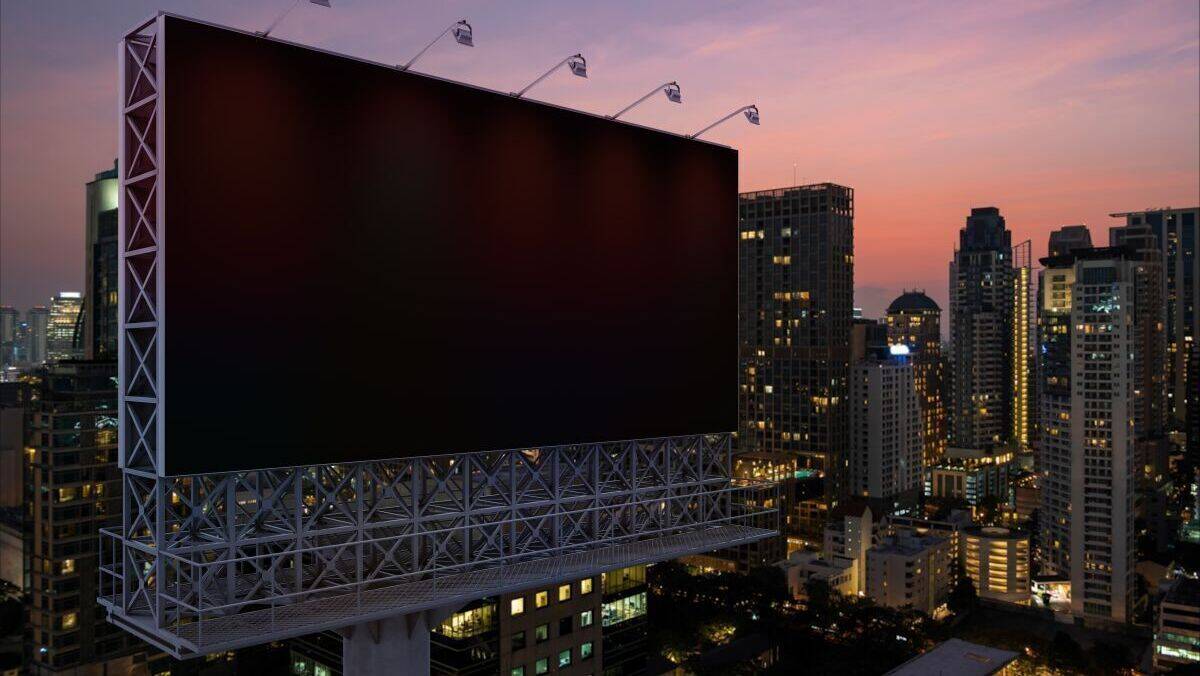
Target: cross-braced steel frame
204,563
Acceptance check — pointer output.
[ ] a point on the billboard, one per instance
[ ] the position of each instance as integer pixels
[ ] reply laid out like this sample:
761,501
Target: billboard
362,263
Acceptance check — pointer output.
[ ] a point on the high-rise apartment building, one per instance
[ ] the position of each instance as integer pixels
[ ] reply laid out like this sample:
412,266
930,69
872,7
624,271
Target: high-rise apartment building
1150,412
1177,232
8,336
1192,427
982,287
1089,366
796,286
915,321
74,489
1022,336
63,330
886,459
1054,401
100,274
37,321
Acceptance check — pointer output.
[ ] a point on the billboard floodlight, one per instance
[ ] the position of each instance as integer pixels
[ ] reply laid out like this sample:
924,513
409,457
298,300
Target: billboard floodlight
751,112
462,35
576,63
671,89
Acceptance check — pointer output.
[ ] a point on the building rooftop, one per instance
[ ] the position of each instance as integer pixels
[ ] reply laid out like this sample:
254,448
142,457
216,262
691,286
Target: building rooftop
913,300
997,532
907,544
957,657
1184,592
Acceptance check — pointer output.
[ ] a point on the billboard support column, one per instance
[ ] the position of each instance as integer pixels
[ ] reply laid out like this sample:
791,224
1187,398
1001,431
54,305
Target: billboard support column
395,645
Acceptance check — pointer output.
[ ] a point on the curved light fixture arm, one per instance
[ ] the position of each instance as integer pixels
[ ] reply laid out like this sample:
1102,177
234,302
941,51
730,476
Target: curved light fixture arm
323,3
547,74
743,109
280,18
652,92
432,43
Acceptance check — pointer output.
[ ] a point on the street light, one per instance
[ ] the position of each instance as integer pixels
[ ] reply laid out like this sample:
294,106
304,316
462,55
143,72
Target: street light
751,112
323,3
671,89
576,63
462,35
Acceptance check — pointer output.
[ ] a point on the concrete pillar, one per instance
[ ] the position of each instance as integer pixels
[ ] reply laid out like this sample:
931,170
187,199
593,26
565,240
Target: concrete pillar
396,645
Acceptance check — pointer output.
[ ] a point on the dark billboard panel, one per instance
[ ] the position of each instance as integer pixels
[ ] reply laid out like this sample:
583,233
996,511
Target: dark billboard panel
363,263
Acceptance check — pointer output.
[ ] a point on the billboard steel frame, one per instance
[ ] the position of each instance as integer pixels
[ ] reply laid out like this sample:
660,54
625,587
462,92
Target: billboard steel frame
209,562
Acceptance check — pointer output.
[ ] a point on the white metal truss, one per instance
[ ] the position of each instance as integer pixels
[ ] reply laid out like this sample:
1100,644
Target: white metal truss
210,562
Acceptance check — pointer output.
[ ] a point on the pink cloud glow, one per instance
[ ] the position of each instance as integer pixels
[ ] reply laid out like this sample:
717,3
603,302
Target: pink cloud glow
1056,112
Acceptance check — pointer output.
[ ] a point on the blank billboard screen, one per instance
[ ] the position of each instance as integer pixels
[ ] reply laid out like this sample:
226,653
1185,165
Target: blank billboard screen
361,263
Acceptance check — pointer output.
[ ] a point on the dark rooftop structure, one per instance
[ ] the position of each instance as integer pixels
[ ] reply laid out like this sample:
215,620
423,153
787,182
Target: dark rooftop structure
957,657
913,300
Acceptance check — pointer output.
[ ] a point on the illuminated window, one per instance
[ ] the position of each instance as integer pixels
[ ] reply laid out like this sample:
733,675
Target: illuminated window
69,620
67,494
624,609
564,592
564,658
541,599
585,618
541,633
517,671
585,586
468,623
542,666
68,566
517,606
585,651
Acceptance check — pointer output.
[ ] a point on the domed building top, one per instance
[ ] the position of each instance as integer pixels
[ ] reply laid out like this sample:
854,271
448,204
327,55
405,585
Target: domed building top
911,301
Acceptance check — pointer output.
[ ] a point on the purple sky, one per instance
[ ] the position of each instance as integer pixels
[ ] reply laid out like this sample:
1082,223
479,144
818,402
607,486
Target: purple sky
1056,112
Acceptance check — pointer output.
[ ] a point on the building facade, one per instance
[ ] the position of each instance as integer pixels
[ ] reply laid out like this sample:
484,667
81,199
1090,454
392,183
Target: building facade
1086,460
1177,232
982,287
886,458
915,321
8,336
63,328
911,570
971,474
1177,626
37,320
796,286
596,625
74,489
997,561
100,254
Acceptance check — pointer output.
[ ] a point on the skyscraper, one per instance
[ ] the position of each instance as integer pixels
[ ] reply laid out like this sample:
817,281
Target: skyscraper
982,284
100,260
886,451
1089,366
915,321
38,321
1178,235
1150,389
74,489
8,336
1022,337
796,286
62,333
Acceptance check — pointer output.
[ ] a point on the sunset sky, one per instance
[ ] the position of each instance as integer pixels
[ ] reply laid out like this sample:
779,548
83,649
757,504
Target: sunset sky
1055,112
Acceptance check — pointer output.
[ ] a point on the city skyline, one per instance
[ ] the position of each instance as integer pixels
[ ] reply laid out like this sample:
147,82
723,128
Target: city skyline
1056,113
